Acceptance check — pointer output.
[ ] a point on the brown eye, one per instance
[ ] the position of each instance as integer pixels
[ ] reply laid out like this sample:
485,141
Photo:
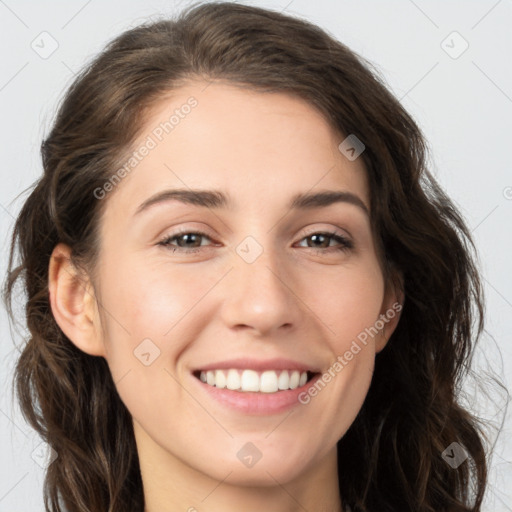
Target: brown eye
321,241
187,241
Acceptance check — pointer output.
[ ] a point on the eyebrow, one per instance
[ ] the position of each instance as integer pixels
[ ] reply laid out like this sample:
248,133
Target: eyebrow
217,199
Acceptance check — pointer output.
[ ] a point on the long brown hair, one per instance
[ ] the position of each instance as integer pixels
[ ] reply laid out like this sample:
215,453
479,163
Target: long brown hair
390,458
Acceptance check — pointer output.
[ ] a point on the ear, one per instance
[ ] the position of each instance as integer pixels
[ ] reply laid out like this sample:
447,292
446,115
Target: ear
73,302
392,305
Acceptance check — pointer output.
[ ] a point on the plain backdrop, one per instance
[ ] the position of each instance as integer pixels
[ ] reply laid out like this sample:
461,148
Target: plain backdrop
448,63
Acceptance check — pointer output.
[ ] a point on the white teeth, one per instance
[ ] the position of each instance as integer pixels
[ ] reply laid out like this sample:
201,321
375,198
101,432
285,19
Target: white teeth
220,379
233,380
294,379
250,381
269,381
284,381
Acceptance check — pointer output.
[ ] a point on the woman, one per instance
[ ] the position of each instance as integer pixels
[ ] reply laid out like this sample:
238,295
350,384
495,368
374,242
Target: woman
245,289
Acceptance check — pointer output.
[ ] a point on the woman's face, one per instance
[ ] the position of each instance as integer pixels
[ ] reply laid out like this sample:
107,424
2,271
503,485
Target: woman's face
263,288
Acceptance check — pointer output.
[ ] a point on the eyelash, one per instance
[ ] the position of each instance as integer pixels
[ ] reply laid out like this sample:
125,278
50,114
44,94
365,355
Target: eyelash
345,244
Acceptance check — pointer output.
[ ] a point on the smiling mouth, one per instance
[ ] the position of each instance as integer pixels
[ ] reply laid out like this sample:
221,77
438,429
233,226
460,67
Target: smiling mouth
268,381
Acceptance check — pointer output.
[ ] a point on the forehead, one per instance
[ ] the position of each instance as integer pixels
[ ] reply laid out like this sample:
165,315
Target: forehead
255,146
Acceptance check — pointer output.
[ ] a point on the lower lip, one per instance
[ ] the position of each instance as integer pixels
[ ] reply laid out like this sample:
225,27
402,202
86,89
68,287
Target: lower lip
256,403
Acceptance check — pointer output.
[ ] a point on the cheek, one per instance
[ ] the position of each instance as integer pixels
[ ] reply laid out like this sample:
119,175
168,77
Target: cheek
350,386
147,300
146,312
349,302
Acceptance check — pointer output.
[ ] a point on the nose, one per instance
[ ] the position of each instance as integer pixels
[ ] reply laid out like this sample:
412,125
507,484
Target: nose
260,296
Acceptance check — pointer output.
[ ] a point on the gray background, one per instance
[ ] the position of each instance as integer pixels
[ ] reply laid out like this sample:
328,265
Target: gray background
461,98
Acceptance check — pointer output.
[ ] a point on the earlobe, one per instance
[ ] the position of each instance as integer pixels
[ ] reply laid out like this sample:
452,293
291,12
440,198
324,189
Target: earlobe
73,303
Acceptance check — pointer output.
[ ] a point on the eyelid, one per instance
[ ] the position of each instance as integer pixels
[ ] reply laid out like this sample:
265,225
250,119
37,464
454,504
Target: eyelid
182,230
334,230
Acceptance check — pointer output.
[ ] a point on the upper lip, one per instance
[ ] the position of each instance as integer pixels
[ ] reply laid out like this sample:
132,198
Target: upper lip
259,365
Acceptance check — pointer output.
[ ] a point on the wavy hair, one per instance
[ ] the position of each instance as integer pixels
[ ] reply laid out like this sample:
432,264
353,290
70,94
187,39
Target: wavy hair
390,458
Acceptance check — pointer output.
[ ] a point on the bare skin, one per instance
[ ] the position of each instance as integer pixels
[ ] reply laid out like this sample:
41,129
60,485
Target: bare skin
298,300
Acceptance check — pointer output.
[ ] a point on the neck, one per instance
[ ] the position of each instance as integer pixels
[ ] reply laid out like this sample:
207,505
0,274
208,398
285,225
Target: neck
171,485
